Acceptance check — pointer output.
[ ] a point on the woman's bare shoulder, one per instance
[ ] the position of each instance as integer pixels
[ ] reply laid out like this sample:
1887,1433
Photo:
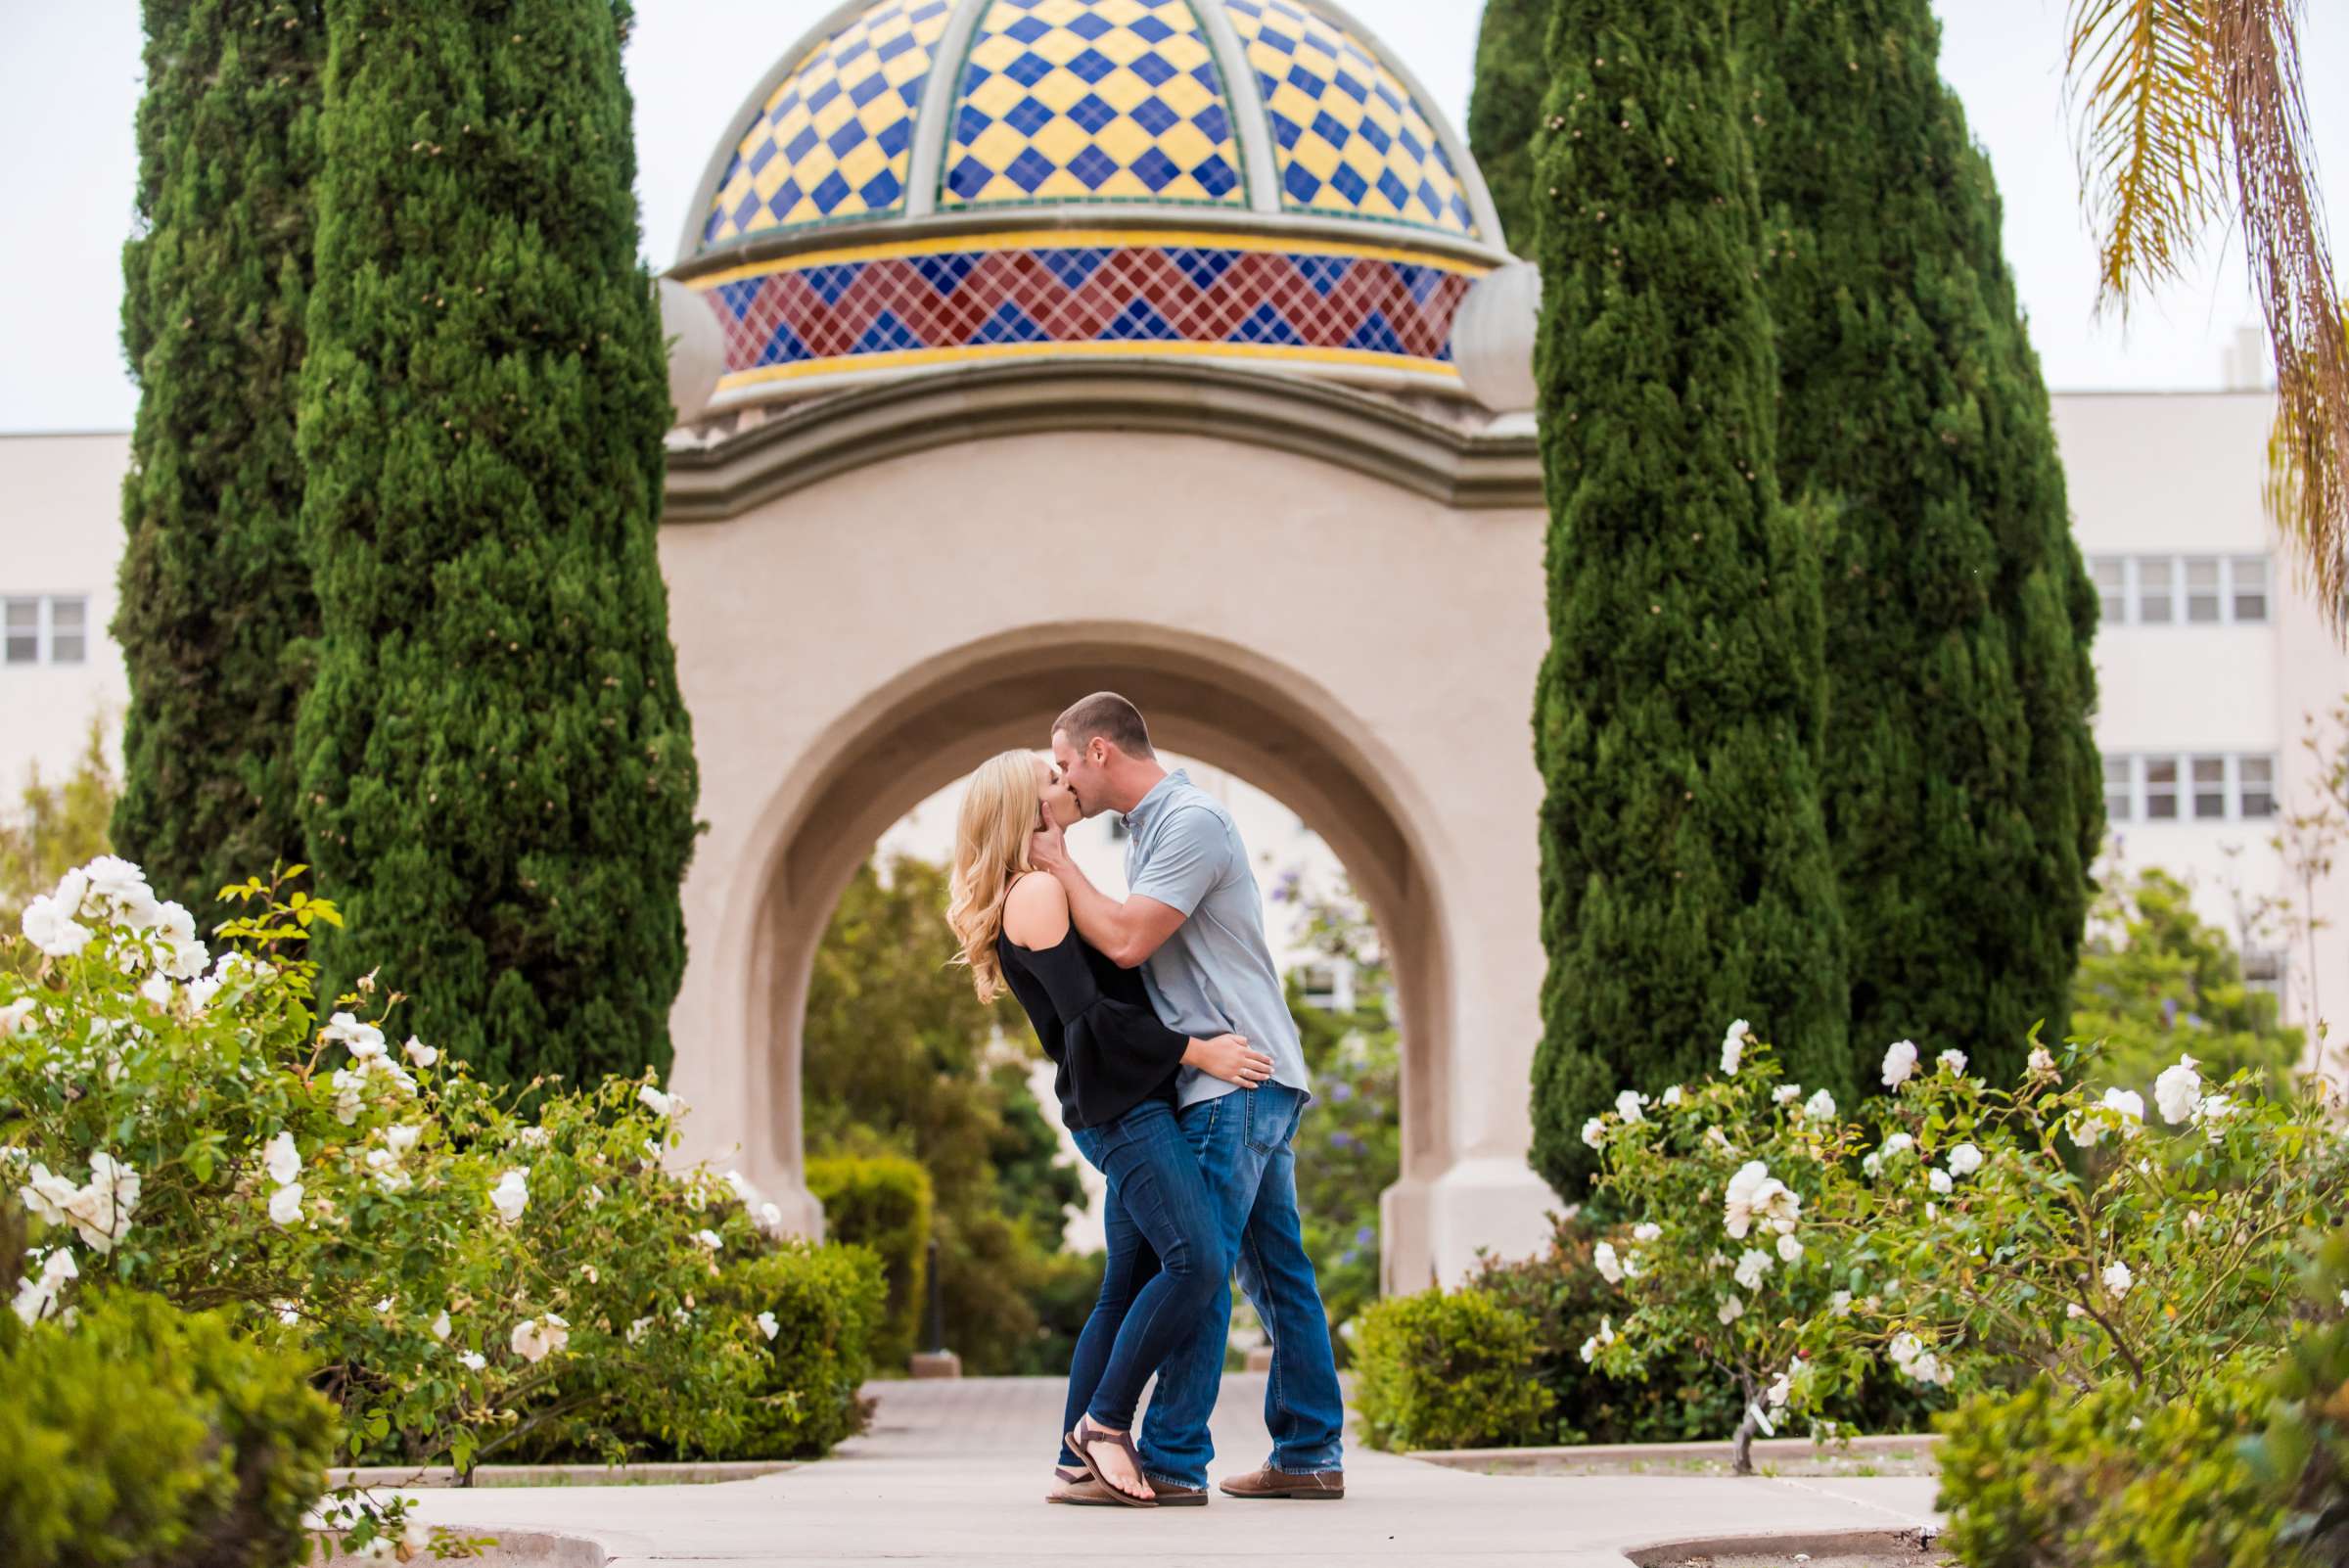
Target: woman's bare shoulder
1036,912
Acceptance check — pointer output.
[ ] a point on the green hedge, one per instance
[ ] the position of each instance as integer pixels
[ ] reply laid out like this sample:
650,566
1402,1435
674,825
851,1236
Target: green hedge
1447,1371
141,1435
828,1304
2250,1470
882,1202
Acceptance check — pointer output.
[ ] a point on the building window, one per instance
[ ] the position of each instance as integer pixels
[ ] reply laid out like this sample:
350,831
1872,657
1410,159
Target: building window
52,631
2263,970
2205,788
2110,572
2159,590
24,631
2118,793
1326,984
2210,788
2202,596
2155,575
2249,588
2257,776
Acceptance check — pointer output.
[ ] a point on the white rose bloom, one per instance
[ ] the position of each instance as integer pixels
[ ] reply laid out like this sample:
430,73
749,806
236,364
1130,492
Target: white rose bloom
48,926
472,1361
535,1338
382,1548
709,1240
1965,1160
595,1196
1898,1143
2042,1063
1781,1389
1790,1250
417,1538
420,1054
636,1329
1609,1268
1905,1349
1840,1304
39,1290
186,961
768,1324
1751,1267
1872,1165
2213,1112
659,1102
1729,1310
1820,1107
47,1195
1732,1047
1900,1063
2075,1310
2178,1091
281,1159
100,1211
157,990
112,877
770,1219
1650,1231
1672,1096
1939,1181
199,992
12,1016
1953,1062
744,1192
402,1139
349,1095
1595,1132
364,1041
2129,1106
1786,1093
173,923
1755,1194
441,1325
1627,1105
510,1195
2118,1278
531,1138
285,1204
1714,1138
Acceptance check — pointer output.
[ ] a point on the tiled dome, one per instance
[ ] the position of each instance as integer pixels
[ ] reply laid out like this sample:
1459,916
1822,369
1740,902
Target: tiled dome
924,184
1048,103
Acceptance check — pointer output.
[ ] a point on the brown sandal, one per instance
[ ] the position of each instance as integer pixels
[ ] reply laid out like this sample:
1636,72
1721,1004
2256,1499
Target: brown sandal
1078,1445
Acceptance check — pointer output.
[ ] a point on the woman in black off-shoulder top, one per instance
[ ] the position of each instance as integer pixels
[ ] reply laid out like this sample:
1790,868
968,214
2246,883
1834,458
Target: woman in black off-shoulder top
1114,1072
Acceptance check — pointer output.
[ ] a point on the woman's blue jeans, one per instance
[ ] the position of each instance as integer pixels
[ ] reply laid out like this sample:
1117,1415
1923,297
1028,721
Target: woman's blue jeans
1164,1264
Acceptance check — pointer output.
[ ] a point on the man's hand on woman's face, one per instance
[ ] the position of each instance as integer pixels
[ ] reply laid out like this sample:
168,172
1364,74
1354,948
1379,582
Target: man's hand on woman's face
1048,849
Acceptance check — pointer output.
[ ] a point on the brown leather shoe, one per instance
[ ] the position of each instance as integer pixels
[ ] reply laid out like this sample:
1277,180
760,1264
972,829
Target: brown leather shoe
1171,1496
1325,1486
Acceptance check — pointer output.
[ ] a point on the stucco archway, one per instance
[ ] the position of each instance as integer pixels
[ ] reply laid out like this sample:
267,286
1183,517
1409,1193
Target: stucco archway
1215,700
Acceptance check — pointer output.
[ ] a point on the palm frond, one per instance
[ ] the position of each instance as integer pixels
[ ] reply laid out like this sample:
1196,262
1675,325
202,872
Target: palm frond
2142,73
2257,45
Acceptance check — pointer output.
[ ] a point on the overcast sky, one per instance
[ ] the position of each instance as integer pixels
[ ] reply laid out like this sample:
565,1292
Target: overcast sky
69,83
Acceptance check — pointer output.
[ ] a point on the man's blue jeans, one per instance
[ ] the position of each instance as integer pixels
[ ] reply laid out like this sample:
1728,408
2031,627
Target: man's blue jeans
1242,1141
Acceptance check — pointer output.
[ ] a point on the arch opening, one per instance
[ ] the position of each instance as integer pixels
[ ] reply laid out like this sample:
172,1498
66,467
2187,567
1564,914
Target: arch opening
1212,701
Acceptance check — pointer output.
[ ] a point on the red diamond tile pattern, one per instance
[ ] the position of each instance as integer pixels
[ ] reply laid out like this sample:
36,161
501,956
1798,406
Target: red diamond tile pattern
809,310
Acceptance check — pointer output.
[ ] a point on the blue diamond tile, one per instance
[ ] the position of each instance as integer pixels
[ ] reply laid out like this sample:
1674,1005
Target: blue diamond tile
1028,31
761,155
1350,183
1090,114
946,272
828,194
868,89
801,145
1093,168
1072,267
823,95
1351,85
1202,266
970,123
1150,30
1153,71
886,332
896,136
745,214
1265,325
1027,116
1151,115
1411,144
1421,281
1394,190
891,48
1090,26
1375,336
1301,183
1321,271
1213,123
1306,82
1216,176
1287,132
1010,324
969,178
736,297
1369,130
1331,129
830,283
1029,170
1029,68
1091,65
1156,170
848,136
1139,321
881,192
782,347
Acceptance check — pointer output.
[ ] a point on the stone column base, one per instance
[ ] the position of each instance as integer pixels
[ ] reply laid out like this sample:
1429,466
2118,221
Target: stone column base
934,1364
1491,1203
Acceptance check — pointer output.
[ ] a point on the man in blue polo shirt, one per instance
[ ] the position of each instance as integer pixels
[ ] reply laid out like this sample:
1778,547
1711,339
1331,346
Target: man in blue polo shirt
1194,924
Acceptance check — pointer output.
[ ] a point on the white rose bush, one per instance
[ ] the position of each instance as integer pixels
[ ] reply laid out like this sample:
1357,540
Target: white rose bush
470,1280
1960,1236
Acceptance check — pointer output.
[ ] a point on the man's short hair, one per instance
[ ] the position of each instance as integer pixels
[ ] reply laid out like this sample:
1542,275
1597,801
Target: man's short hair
1110,717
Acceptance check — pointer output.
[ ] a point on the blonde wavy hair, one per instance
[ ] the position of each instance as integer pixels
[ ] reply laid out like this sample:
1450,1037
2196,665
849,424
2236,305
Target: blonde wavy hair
999,810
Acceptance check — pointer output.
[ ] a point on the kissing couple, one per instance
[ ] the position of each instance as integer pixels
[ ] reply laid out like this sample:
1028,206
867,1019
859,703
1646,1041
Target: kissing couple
1181,1078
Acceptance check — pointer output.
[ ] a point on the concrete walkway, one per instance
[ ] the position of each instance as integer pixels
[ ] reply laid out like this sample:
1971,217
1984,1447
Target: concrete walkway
956,1472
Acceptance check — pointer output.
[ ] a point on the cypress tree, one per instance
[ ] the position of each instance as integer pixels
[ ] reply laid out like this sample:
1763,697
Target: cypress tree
1505,107
497,769
1962,788
215,602
1685,878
